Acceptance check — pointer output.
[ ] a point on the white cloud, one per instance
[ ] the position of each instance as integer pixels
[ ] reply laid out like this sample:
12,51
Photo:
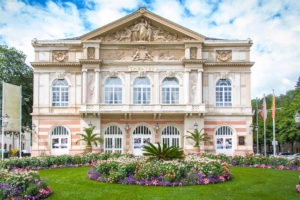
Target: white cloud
273,26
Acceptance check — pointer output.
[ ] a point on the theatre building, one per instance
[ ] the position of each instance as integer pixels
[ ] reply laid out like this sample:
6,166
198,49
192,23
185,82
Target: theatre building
138,79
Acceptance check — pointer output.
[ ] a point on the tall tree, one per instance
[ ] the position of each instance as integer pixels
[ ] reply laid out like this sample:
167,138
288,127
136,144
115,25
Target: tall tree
14,70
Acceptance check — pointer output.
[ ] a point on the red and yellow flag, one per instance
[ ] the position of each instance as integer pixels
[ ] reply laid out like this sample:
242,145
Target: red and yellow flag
273,105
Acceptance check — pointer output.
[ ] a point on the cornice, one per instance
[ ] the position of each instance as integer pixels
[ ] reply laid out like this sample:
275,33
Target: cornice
117,63
250,64
194,61
90,61
55,64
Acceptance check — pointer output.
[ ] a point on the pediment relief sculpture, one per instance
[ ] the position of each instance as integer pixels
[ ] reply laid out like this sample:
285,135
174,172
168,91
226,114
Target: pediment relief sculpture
60,56
166,56
224,56
143,31
142,53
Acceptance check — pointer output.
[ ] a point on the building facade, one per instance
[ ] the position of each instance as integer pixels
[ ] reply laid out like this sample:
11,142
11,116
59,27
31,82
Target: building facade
138,79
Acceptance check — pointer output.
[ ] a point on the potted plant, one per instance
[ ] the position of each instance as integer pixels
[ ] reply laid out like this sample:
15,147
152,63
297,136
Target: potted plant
198,137
89,137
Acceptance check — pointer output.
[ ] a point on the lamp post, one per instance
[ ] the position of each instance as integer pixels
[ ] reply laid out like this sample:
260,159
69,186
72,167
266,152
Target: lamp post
195,126
127,127
297,119
90,125
156,127
4,118
255,128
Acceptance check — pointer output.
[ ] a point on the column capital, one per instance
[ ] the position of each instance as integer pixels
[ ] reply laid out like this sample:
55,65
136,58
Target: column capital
187,70
199,46
96,70
84,70
200,70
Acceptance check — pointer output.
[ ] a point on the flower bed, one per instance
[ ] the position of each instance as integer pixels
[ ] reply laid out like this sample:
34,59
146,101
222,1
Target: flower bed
22,184
48,162
194,170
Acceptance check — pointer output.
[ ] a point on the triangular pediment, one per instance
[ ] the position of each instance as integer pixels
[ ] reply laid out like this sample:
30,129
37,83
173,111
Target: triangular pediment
143,26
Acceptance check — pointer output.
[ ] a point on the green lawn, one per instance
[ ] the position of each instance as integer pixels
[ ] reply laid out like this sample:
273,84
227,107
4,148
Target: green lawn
248,183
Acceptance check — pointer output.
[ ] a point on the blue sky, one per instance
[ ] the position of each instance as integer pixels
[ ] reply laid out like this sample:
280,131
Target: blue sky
273,26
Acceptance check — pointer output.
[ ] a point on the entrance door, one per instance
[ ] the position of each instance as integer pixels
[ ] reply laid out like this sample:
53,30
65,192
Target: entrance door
224,141
141,136
60,141
170,136
113,140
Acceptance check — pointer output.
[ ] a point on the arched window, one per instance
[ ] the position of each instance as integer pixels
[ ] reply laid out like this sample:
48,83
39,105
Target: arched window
10,147
143,130
60,130
60,93
141,91
5,146
170,91
113,91
171,136
113,139
223,93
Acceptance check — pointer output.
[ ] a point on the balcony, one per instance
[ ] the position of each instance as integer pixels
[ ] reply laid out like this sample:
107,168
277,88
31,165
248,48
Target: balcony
147,108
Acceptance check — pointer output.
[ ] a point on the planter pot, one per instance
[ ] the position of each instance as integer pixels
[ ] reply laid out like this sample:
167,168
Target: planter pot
88,149
196,149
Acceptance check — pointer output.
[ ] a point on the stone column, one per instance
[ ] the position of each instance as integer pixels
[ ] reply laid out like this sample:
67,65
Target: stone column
199,52
84,85
187,53
156,90
200,86
97,85
127,89
186,86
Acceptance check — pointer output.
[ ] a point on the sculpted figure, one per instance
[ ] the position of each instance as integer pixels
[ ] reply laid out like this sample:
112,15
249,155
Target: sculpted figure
117,36
136,56
147,55
156,35
149,32
142,29
126,35
135,30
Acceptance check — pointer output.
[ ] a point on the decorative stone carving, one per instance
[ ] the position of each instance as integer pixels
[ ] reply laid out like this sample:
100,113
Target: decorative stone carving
60,56
142,53
170,74
117,55
224,56
223,75
193,86
193,53
91,52
141,73
142,30
166,56
112,74
90,87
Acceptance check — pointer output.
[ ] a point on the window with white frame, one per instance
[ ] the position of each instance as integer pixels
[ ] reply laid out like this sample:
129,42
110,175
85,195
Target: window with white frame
113,91
171,136
223,93
60,93
170,91
141,91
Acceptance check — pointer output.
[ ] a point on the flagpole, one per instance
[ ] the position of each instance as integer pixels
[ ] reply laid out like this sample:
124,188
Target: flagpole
257,149
20,142
273,116
2,125
265,143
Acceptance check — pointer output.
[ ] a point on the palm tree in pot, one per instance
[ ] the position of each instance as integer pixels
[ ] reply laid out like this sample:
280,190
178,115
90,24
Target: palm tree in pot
90,138
198,137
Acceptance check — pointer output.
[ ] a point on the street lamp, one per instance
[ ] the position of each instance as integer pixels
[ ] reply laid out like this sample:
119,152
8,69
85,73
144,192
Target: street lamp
127,127
195,126
297,119
90,125
156,127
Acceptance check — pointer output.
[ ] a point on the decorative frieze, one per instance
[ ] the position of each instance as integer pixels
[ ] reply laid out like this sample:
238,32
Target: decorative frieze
193,86
223,75
91,52
117,55
60,56
142,53
166,56
90,87
224,56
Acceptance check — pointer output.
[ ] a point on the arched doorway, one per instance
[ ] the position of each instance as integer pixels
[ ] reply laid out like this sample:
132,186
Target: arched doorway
113,139
170,136
60,142
224,141
141,135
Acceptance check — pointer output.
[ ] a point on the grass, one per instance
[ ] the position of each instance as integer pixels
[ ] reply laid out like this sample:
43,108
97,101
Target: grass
248,183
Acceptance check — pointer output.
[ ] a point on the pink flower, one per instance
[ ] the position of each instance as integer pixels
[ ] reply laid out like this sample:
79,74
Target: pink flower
206,181
221,178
